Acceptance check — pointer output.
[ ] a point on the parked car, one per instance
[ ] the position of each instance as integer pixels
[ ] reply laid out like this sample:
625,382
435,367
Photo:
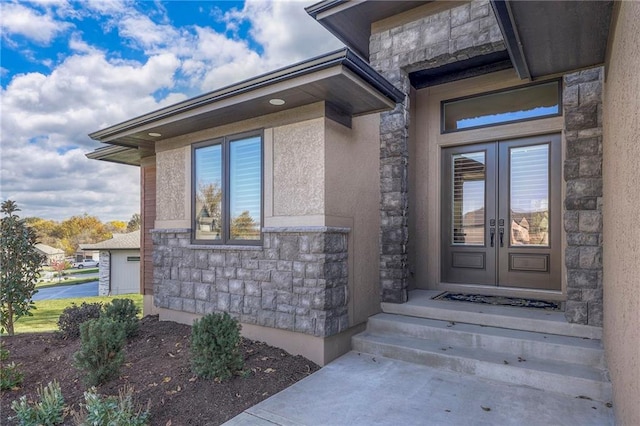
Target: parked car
85,264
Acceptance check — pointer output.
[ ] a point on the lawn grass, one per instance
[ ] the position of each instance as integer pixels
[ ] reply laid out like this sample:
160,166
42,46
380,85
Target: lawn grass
55,283
45,316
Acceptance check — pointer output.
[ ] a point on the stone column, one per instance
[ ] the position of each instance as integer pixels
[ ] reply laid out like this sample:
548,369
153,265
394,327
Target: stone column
582,103
428,42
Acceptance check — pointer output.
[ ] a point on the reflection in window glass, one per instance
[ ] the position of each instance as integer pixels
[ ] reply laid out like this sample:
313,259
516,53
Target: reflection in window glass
208,189
529,195
227,191
525,103
245,177
469,174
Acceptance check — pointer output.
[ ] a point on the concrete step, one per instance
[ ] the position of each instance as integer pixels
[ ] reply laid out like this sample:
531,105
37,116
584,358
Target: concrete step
567,378
517,343
422,305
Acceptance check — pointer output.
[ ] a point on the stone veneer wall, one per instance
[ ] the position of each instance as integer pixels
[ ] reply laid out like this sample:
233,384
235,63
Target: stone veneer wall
453,35
103,277
582,103
297,280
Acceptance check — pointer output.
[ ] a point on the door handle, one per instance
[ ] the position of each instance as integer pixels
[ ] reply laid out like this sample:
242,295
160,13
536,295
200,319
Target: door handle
501,237
492,233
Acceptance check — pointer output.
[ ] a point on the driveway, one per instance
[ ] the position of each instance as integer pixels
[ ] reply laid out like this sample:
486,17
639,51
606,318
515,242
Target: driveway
68,291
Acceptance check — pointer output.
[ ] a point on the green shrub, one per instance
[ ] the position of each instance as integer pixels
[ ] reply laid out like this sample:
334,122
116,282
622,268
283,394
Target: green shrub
10,377
124,311
100,355
111,410
73,316
48,411
215,346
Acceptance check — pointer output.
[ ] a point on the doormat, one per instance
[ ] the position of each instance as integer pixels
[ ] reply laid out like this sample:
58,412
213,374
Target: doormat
501,300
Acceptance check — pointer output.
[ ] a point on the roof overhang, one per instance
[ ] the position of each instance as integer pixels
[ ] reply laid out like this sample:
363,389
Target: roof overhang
341,79
350,21
543,38
553,37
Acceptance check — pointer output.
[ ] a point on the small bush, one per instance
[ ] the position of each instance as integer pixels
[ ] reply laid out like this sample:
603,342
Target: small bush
48,411
215,346
10,377
100,355
124,311
73,316
111,410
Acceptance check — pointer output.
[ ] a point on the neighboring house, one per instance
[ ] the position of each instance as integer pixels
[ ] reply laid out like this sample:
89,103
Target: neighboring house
119,264
52,254
81,255
300,200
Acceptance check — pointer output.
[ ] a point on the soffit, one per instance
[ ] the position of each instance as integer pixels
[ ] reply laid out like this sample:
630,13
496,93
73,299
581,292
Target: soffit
351,21
553,37
341,79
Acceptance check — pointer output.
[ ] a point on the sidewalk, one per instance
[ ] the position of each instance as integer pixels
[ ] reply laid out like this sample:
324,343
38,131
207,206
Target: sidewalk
359,389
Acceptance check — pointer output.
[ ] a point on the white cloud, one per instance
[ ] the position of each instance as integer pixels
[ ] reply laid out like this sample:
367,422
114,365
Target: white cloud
45,122
18,19
286,32
46,117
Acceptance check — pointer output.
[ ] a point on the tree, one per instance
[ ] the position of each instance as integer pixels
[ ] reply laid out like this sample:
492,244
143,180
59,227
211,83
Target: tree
243,227
59,266
19,267
134,223
44,229
78,230
116,226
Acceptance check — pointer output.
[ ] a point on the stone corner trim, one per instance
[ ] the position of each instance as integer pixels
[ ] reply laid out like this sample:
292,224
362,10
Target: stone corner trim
582,105
296,281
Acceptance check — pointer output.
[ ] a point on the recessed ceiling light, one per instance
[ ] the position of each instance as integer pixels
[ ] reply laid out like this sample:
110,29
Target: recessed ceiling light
154,134
276,101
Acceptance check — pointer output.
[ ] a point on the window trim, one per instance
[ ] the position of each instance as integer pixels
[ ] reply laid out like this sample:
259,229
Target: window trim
443,131
224,143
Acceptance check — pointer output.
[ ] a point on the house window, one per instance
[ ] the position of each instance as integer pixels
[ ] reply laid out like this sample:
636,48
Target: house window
227,190
501,107
133,258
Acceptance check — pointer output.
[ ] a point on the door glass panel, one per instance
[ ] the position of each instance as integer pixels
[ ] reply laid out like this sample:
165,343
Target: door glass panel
529,196
468,212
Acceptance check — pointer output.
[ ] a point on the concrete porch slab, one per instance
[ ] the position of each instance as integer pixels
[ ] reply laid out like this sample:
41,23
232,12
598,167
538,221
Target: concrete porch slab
421,304
360,389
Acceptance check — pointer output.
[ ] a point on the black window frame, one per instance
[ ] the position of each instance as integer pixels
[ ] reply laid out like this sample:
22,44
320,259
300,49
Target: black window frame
225,143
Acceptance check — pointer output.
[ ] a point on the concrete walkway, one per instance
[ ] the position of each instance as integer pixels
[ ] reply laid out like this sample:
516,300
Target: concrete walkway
359,389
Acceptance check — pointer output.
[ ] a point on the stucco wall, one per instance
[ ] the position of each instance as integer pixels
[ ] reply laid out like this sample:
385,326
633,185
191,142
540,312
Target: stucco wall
298,169
173,176
352,200
621,200
293,169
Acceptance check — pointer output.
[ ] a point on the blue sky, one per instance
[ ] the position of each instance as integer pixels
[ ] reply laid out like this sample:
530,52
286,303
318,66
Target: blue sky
70,68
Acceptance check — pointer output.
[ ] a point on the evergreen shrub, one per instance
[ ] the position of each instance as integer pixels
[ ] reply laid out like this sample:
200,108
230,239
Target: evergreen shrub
126,312
100,355
215,346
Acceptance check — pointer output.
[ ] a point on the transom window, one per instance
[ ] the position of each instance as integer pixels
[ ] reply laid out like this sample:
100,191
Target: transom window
501,107
227,190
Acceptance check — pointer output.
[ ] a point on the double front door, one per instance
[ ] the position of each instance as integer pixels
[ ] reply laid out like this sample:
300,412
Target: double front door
501,213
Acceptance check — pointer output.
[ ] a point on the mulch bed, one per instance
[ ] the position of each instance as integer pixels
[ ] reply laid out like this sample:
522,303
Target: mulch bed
157,366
